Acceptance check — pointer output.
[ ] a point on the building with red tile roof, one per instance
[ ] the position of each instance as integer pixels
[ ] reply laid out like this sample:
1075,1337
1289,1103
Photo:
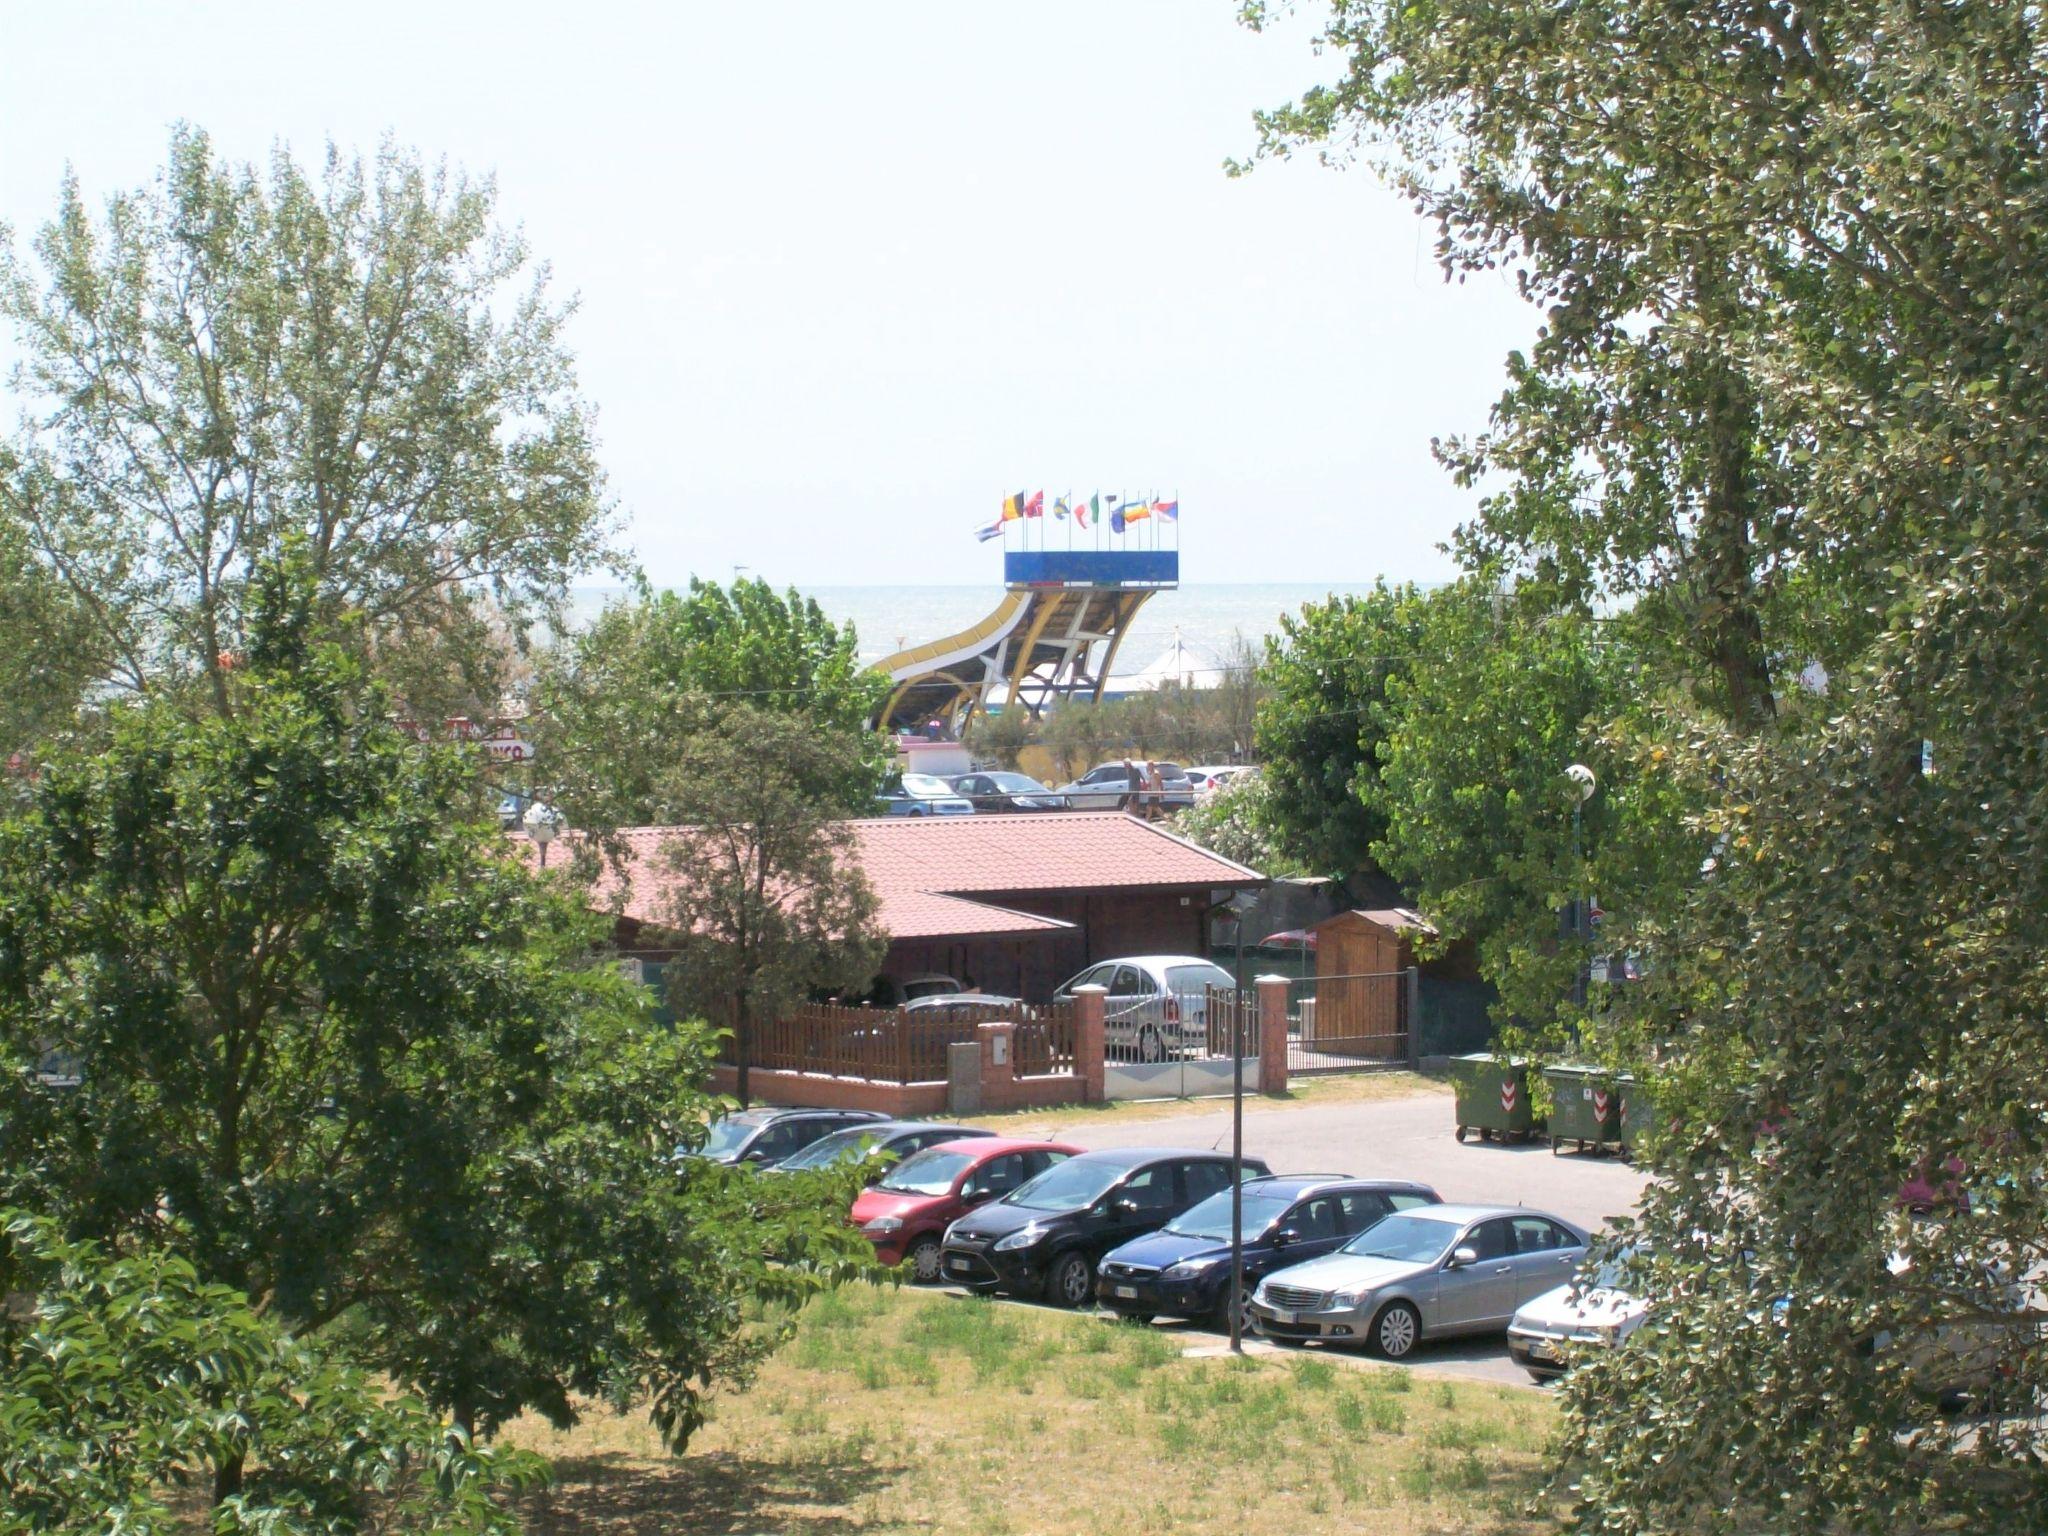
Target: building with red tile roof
1011,904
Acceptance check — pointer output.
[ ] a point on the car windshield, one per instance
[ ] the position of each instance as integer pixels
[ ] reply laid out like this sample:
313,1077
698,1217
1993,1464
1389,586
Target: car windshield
1193,978
729,1135
1413,1239
925,785
1212,1217
1068,1187
930,1172
830,1149
1016,783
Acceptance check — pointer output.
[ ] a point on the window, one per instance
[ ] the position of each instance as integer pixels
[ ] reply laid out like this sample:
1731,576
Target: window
1493,1239
1314,1221
1130,982
1535,1235
1104,774
1150,1189
1000,1176
1205,1179
1408,1202
1359,1210
1036,1163
778,1141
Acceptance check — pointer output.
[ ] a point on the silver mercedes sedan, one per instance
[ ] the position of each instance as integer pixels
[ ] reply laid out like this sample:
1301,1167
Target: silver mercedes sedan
1422,1274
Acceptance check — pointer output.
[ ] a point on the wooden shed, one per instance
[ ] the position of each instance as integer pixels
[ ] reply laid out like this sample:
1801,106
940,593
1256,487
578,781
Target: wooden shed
1361,986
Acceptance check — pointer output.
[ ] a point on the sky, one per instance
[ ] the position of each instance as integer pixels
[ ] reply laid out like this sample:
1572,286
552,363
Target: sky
849,274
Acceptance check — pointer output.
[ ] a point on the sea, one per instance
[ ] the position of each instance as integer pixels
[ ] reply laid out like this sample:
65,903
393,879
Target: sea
1204,620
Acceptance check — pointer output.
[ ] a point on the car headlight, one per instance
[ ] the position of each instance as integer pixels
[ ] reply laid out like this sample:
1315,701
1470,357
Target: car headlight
1023,1237
1192,1269
1350,1298
882,1225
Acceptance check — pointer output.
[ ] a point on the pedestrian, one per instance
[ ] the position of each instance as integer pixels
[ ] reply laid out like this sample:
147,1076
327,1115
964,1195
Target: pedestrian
1155,790
1130,801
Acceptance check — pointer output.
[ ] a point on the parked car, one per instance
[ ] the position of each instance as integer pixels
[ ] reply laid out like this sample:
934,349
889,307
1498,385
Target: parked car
921,794
1045,1238
765,1136
1158,1005
1422,1274
1213,776
1007,792
906,1212
879,1142
1183,1269
1587,1310
930,984
1108,788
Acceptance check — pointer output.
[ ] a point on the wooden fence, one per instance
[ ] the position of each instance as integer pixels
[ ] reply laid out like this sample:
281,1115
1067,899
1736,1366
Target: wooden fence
900,1045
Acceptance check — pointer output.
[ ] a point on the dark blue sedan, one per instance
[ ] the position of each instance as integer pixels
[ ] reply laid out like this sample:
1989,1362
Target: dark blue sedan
1183,1269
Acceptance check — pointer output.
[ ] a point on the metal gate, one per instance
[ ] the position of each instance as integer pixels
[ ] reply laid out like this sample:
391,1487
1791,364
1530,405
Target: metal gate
1350,1023
1177,1044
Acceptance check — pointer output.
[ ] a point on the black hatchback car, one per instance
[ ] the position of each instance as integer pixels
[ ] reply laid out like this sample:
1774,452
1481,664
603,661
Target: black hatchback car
764,1137
1183,1269
1044,1237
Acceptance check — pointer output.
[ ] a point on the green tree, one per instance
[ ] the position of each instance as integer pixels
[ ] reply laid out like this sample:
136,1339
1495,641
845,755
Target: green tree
1236,822
126,1375
1320,721
765,898
47,660
1793,262
351,1060
229,359
616,701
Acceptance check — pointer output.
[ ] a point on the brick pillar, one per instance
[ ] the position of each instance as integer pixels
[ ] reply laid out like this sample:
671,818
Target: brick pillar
1272,1034
999,1064
1088,1041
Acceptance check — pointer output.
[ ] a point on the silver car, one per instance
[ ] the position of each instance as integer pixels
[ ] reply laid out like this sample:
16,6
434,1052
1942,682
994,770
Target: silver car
1585,1311
1158,1005
1112,788
1422,1274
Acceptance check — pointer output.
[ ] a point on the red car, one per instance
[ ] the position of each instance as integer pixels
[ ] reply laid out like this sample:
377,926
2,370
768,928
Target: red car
906,1213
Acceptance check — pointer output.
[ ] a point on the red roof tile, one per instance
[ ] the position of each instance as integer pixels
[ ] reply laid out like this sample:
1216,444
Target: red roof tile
922,867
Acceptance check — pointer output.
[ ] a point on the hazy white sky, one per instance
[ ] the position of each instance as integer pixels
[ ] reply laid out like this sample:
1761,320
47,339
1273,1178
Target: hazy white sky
848,273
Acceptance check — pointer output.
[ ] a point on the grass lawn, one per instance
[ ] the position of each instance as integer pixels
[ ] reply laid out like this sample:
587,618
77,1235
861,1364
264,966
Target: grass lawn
902,1412
1340,1088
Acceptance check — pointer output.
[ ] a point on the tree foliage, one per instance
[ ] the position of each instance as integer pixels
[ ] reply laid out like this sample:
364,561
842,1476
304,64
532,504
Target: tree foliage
617,700
348,1058
1236,821
127,1377
766,900
1789,402
230,359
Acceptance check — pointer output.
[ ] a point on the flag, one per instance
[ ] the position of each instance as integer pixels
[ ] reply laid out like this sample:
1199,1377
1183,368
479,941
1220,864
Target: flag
1013,507
993,531
1035,507
1092,509
1136,512
1060,509
1170,510
1116,519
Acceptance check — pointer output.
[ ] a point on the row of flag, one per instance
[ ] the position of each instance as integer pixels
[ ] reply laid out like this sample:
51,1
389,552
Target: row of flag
1120,513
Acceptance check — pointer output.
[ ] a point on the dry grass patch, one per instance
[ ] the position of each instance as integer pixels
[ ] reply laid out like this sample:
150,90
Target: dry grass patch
902,1412
1341,1088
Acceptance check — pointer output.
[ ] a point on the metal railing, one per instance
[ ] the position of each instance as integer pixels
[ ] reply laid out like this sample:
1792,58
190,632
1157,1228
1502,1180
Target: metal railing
1349,1023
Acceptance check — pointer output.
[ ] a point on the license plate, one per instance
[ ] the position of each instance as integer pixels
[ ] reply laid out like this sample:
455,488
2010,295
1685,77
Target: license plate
960,1266
1128,1292
1283,1317
1539,1350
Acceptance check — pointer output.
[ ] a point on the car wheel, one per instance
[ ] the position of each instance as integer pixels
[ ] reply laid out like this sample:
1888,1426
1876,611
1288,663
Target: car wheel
1397,1330
923,1259
1246,1326
1071,1280
1150,1047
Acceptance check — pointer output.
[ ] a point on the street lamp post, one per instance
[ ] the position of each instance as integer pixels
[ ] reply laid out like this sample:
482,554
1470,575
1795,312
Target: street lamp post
1235,910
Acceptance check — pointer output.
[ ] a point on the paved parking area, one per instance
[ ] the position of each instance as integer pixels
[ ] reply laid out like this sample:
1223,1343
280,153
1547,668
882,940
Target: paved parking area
1405,1138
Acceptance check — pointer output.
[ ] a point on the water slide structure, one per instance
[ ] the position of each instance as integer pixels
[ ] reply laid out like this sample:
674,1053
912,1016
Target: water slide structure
1053,635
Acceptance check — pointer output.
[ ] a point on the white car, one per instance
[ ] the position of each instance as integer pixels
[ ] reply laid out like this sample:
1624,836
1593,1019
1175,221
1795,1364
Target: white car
1158,1005
1213,776
1110,788
1576,1313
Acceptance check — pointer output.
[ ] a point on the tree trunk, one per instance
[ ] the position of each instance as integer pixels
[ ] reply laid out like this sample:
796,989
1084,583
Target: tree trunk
227,1478
1731,623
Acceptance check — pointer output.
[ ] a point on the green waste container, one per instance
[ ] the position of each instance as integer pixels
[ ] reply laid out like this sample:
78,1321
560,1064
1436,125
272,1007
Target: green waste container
1638,1114
1493,1099
1585,1107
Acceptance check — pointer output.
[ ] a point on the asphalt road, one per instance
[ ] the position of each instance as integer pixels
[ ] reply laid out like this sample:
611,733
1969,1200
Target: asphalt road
1407,1138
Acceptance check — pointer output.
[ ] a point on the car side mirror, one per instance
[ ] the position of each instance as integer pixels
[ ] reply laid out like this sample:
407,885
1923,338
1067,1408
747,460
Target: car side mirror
1124,1205
975,1194
1285,1236
755,1155
1462,1258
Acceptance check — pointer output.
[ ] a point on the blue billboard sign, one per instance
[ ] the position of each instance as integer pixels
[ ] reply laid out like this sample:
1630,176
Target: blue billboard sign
1092,568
